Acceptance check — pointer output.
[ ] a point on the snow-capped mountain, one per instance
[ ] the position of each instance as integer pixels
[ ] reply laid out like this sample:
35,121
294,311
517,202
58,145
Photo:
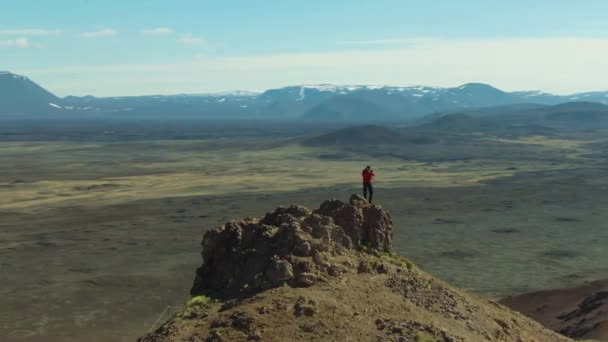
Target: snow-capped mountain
21,96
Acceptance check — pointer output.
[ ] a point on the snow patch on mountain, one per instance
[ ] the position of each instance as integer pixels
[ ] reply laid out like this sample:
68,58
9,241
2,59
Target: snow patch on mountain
302,94
534,93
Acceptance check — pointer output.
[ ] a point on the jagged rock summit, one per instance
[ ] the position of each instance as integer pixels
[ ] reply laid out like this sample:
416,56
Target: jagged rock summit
329,275
293,246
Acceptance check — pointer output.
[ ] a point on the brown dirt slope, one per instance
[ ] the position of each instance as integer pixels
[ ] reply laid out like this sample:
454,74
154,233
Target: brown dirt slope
329,275
578,312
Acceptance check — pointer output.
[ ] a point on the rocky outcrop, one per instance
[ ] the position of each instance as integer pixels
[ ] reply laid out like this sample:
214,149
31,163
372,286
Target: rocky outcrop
329,275
291,245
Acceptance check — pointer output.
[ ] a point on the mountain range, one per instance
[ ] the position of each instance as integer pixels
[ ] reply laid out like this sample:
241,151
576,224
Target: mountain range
21,97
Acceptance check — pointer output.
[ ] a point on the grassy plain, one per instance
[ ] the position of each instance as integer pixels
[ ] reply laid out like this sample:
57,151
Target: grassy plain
99,234
58,174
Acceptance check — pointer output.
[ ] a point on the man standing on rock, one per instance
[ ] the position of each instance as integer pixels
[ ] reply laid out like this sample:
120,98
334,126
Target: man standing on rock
368,177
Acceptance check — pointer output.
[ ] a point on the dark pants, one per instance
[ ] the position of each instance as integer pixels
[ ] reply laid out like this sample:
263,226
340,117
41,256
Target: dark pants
367,187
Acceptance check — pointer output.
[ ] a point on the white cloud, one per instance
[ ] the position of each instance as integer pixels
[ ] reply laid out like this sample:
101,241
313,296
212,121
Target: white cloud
20,42
159,31
189,39
31,32
103,32
560,65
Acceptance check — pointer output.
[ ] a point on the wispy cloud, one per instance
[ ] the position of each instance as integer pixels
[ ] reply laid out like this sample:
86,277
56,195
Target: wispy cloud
159,31
21,42
103,32
189,39
31,32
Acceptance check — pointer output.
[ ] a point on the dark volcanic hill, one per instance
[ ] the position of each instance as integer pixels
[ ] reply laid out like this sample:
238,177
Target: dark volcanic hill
579,312
454,123
329,275
534,118
580,112
358,135
19,95
464,124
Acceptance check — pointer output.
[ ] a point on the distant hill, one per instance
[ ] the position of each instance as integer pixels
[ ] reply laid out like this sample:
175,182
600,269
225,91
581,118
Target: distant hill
579,312
369,105
323,102
455,122
570,114
19,95
463,124
359,135
577,111
479,112
532,118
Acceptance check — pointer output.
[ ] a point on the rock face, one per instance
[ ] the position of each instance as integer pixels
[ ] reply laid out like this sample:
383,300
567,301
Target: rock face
292,245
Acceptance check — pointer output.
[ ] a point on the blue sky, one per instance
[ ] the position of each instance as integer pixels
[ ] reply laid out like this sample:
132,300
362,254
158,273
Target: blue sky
108,48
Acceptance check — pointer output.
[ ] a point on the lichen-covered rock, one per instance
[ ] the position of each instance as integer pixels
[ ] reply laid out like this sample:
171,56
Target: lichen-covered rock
285,215
290,245
377,229
305,279
279,271
364,223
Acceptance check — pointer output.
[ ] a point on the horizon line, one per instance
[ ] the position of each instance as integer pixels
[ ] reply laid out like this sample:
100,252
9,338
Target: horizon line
337,85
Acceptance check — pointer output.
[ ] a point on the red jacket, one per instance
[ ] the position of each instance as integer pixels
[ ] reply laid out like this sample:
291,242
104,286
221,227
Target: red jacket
368,175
